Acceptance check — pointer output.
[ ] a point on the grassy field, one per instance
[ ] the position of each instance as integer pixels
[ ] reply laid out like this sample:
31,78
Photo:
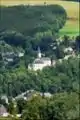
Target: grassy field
71,28
72,8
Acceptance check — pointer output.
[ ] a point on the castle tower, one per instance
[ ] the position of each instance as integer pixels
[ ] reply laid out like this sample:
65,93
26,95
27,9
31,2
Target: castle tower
39,52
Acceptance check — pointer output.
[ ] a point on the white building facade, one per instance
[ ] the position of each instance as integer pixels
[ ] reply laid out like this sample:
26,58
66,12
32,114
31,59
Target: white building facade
40,62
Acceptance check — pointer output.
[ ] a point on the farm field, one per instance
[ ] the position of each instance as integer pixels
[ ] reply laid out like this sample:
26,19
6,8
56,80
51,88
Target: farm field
71,28
72,8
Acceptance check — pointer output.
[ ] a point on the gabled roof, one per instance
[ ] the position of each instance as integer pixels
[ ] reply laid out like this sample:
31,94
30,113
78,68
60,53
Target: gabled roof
38,61
41,60
45,59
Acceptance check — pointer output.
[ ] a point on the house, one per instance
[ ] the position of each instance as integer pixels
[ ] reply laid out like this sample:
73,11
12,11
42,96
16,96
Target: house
20,54
29,94
47,95
68,50
69,56
8,57
3,111
40,62
26,95
11,58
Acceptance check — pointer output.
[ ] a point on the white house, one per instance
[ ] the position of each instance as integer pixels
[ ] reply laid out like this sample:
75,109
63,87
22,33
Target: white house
68,50
47,95
40,62
20,54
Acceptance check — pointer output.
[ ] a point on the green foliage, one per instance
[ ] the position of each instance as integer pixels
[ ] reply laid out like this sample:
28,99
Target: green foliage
11,108
32,19
12,38
21,103
61,106
27,27
63,77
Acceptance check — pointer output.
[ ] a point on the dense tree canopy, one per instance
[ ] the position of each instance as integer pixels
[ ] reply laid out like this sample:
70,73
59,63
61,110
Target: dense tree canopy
31,19
26,28
64,77
61,106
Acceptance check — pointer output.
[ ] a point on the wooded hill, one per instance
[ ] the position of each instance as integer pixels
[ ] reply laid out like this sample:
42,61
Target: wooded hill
31,19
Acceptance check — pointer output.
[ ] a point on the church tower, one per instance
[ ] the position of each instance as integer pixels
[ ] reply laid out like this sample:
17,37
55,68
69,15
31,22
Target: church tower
39,52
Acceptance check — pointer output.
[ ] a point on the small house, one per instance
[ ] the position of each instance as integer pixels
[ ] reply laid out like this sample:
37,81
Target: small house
68,50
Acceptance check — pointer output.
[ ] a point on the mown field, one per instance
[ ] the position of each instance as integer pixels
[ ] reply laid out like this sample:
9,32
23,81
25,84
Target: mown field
72,8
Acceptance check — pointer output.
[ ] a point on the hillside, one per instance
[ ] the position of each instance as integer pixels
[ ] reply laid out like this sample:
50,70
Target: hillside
72,9
30,20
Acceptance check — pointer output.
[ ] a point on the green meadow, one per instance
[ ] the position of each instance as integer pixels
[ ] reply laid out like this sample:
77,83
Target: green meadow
71,28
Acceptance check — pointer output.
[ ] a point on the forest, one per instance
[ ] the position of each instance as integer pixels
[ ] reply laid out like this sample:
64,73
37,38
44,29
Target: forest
32,19
22,30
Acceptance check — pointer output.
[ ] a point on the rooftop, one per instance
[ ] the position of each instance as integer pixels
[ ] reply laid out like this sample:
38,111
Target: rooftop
41,60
